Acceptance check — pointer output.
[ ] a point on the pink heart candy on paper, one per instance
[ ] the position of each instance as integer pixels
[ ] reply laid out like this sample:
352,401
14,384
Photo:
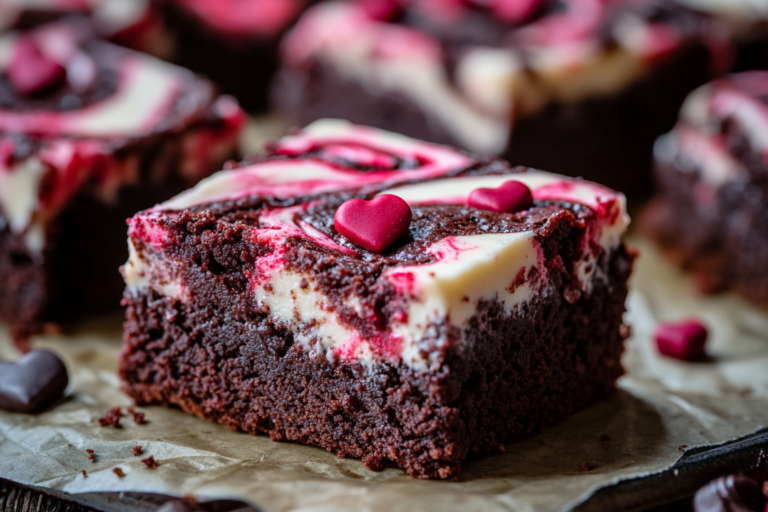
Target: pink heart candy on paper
510,197
30,70
682,340
376,224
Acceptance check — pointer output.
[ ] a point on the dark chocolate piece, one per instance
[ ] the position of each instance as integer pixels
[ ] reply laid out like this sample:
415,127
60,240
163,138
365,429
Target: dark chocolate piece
186,505
32,383
730,493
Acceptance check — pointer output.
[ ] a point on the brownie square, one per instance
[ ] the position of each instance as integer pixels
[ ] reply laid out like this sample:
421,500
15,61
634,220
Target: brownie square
112,132
709,214
577,87
234,42
246,306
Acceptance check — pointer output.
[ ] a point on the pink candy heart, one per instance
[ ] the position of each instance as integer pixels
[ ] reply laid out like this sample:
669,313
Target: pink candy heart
510,197
375,224
380,10
514,10
30,70
682,340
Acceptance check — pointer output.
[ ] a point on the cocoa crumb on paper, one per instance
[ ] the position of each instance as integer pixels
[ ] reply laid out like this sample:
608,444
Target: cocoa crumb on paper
150,462
112,418
138,417
85,475
91,455
136,451
118,472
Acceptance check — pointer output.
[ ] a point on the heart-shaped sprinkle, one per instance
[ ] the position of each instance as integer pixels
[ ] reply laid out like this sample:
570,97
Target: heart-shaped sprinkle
375,224
381,10
682,340
510,197
30,70
514,11
33,382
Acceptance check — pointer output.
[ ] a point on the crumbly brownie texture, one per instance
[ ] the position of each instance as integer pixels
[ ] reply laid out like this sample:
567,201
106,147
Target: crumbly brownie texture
578,87
712,174
246,307
234,42
122,131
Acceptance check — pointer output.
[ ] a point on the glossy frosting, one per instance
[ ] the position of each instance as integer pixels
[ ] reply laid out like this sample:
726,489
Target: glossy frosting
75,148
506,267
564,55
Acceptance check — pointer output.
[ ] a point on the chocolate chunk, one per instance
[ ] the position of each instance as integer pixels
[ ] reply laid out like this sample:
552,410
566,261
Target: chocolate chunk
730,493
33,382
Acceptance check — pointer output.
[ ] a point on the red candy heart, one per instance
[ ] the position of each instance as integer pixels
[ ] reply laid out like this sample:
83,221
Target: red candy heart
683,340
381,10
30,70
514,10
510,197
375,224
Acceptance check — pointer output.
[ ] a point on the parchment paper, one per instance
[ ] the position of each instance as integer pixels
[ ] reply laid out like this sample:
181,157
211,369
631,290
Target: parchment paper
660,405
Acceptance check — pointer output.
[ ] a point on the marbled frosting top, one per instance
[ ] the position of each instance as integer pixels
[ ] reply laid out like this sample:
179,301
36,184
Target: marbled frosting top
75,132
453,259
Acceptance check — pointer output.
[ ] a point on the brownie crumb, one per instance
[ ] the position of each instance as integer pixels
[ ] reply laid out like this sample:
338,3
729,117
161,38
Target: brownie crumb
85,475
150,462
138,418
605,438
91,455
118,472
587,466
112,418
682,447
136,451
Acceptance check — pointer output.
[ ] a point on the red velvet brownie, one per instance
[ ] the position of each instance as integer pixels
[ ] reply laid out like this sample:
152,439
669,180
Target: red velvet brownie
131,23
712,174
580,87
745,22
497,311
89,134
234,42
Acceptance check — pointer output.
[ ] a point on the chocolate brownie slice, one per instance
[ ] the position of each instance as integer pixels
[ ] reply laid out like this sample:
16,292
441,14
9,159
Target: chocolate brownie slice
234,42
131,23
746,24
712,175
580,87
497,310
90,133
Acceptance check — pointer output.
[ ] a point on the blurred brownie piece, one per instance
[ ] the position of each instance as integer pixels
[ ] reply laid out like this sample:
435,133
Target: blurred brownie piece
90,133
580,87
710,212
234,42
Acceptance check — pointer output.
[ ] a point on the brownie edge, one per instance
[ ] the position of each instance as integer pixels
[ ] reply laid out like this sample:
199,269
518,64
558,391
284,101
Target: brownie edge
246,373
